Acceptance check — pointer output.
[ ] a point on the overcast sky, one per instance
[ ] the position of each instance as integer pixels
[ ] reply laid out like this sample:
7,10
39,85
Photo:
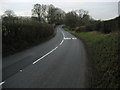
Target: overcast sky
98,9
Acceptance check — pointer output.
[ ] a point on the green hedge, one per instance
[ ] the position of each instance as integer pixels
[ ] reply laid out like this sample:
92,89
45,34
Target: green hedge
19,35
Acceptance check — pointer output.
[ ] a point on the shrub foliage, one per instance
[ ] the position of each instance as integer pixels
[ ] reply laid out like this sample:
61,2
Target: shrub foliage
18,34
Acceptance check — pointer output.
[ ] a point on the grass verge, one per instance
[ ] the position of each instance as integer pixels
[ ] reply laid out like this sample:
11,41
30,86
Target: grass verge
104,55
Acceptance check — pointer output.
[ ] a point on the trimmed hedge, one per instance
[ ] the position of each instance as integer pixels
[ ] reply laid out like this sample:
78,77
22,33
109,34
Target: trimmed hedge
19,35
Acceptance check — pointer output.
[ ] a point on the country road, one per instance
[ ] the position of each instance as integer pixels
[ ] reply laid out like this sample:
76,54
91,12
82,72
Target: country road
57,63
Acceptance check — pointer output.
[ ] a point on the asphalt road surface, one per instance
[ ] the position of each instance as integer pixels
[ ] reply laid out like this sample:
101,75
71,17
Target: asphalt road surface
57,63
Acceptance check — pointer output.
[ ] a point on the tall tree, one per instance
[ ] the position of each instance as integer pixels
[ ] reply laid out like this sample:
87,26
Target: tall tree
51,13
59,15
71,19
77,18
8,13
48,13
36,11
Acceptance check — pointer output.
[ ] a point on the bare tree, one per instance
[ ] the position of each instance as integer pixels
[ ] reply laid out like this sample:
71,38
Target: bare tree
40,11
77,18
55,15
36,11
82,12
51,13
9,16
48,13
71,19
8,13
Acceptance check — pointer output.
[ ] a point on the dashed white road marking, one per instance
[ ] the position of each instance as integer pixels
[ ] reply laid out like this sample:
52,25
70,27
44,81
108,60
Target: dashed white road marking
2,83
69,38
74,38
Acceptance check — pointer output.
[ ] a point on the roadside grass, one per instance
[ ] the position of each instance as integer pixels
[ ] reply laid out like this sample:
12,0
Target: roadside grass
66,28
103,55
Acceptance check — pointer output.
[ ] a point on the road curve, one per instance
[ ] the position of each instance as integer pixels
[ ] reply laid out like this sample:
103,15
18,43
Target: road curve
57,63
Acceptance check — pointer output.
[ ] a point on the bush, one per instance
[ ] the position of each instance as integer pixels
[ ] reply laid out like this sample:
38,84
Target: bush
108,26
19,35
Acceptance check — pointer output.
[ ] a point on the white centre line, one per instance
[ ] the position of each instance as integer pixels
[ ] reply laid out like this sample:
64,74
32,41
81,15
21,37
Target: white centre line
50,51
45,55
61,42
20,70
2,83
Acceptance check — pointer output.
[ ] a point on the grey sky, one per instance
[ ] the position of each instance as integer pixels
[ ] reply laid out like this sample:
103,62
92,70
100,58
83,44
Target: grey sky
98,9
